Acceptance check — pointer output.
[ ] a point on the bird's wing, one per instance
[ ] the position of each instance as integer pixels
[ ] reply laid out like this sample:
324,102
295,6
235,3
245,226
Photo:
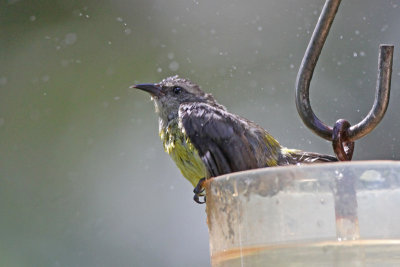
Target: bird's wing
220,138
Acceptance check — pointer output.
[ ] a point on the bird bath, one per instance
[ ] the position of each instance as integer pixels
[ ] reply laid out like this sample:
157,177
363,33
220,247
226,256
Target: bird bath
336,214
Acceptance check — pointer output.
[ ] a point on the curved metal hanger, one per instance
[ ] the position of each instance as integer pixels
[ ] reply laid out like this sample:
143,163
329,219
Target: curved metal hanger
342,134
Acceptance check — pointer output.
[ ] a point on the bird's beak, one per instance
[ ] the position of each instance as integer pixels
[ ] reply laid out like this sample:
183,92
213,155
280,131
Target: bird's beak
153,89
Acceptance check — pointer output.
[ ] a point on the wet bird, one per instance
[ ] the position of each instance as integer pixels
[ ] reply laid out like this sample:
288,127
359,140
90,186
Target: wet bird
205,140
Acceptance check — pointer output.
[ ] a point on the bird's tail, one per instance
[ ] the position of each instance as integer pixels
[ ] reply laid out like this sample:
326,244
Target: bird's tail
295,156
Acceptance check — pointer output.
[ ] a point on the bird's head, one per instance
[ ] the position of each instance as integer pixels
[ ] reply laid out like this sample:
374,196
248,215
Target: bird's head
173,91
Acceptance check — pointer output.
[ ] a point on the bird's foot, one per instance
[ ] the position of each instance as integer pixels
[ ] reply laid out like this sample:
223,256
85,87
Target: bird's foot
199,192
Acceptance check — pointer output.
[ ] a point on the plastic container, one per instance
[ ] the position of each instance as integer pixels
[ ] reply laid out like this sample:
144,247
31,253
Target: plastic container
337,214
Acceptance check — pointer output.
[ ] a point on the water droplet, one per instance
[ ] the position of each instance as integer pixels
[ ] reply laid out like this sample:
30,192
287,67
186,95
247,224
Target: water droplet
339,174
355,54
70,38
64,62
173,66
119,19
372,176
170,55
32,18
259,28
159,70
3,80
127,31
45,78
357,32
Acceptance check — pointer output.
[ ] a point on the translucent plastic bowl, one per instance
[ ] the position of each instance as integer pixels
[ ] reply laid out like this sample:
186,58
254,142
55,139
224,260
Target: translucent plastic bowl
338,214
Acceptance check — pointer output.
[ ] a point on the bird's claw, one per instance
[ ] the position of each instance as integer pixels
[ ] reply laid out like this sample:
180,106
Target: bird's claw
197,199
199,192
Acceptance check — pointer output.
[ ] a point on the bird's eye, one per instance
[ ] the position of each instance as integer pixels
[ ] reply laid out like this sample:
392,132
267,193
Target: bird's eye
177,90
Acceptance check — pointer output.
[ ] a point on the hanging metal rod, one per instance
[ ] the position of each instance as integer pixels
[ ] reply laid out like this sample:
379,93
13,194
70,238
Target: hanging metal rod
306,71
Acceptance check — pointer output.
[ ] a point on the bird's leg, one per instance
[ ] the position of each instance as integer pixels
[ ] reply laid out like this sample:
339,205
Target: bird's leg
199,191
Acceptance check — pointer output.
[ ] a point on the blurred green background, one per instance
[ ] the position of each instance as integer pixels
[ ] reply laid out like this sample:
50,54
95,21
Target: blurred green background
84,180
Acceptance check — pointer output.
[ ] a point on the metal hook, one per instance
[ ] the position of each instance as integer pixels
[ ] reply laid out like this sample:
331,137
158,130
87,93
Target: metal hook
306,71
